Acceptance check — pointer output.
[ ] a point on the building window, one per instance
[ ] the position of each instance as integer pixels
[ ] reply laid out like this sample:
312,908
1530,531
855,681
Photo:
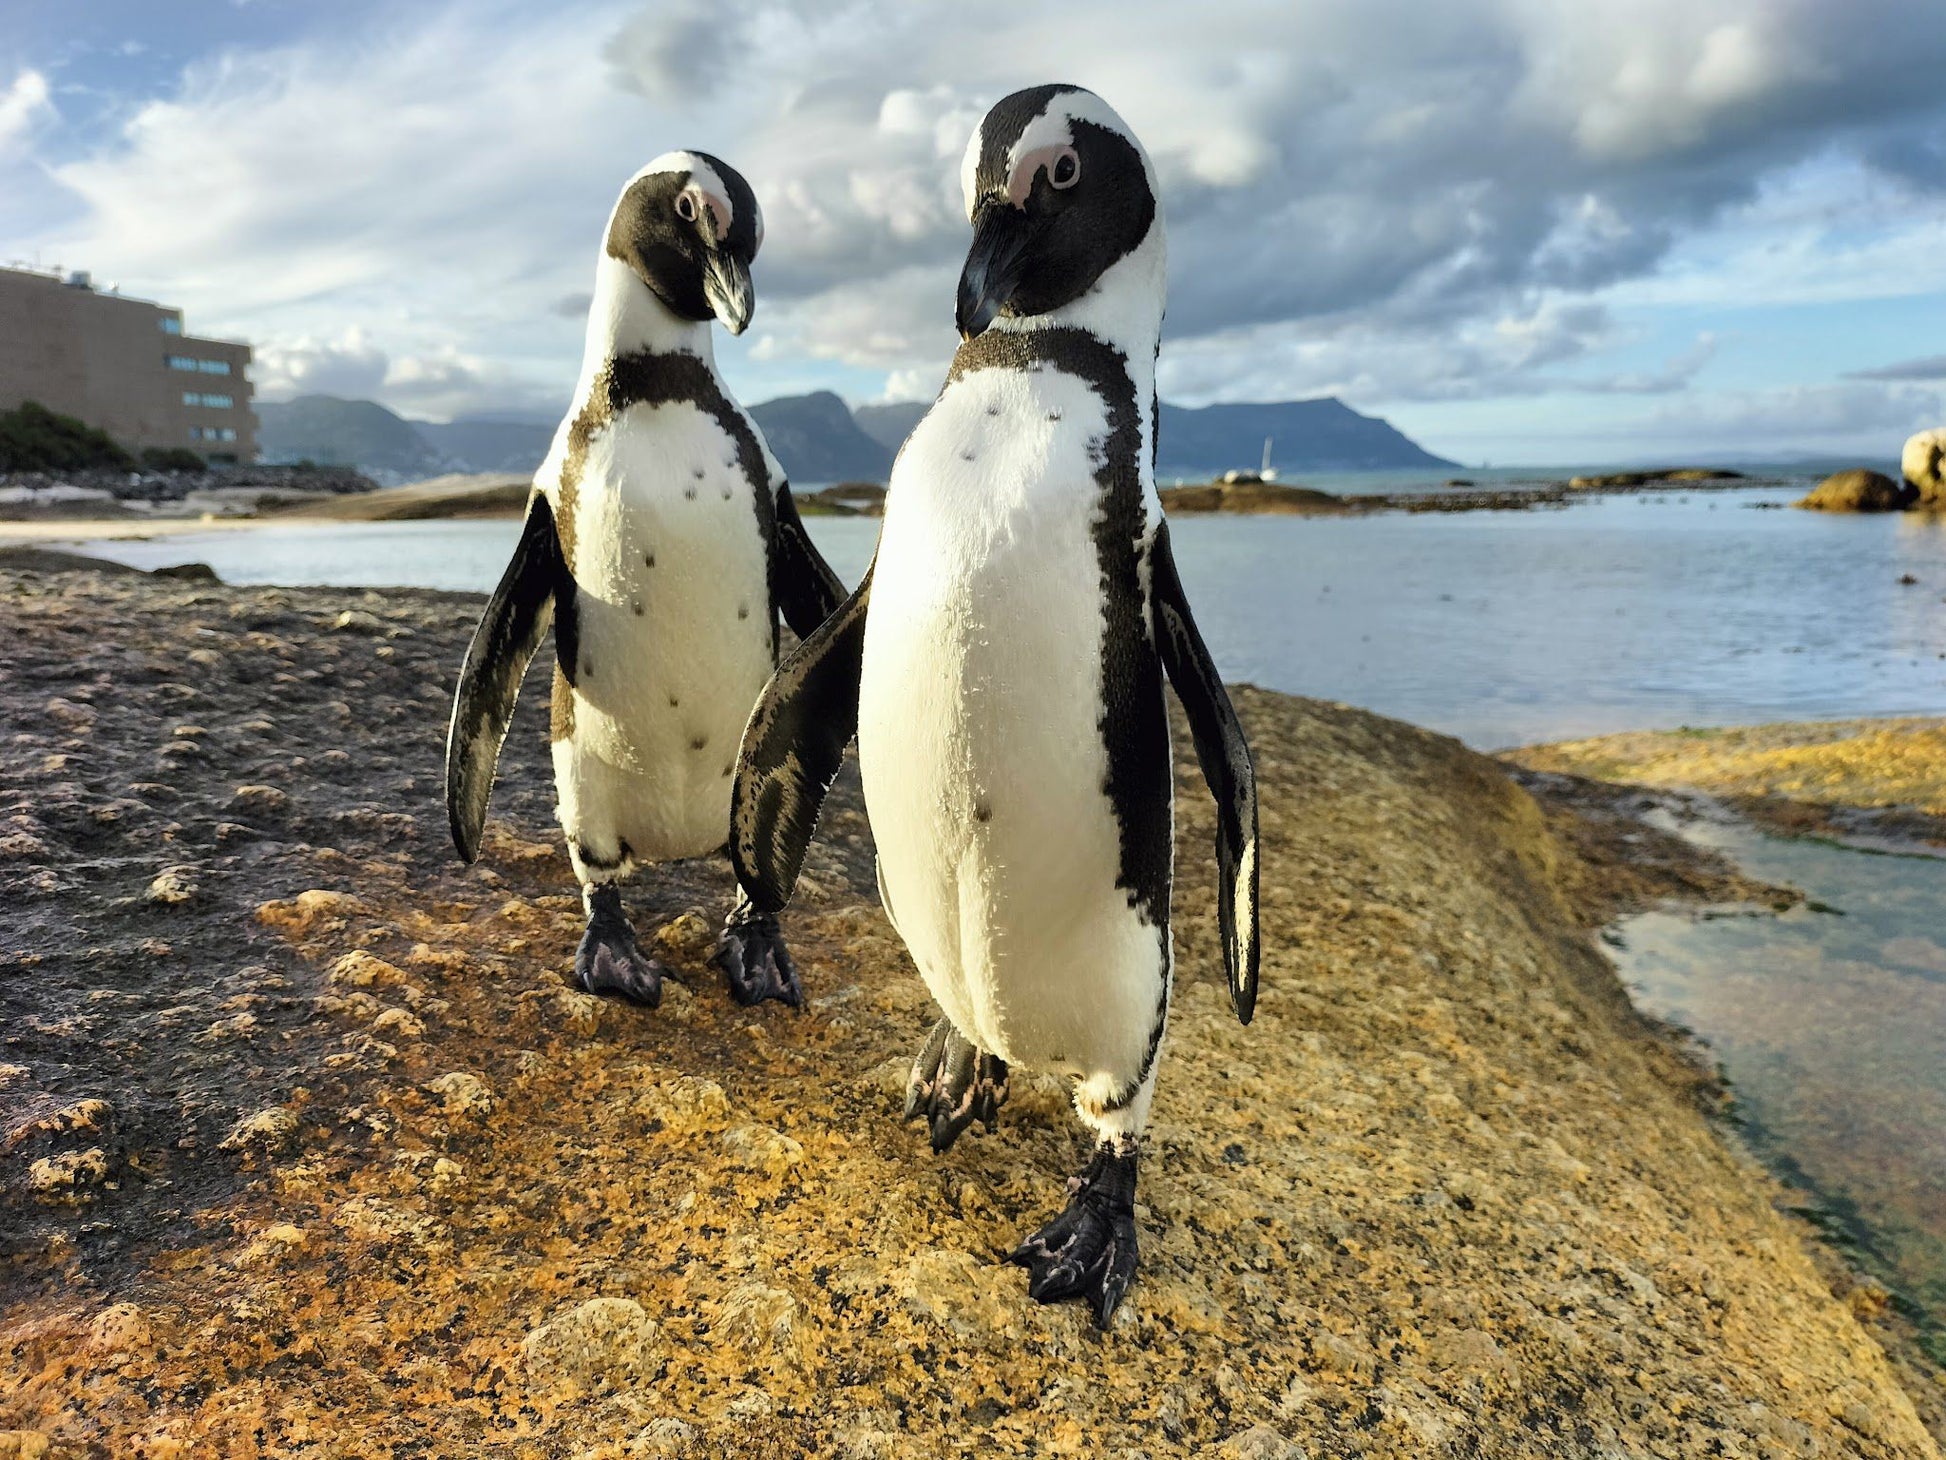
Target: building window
226,433
211,402
213,367
171,325
212,433
182,362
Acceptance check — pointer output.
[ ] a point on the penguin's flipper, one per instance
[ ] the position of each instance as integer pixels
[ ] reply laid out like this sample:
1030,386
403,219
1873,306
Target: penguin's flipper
807,590
791,752
510,632
1225,758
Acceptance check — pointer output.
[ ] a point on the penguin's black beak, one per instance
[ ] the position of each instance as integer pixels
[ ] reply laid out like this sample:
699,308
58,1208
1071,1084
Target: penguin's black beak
994,265
726,284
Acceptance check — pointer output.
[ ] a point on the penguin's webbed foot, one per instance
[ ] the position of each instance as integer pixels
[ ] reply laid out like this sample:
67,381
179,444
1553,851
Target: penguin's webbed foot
1089,1250
754,960
609,961
954,1081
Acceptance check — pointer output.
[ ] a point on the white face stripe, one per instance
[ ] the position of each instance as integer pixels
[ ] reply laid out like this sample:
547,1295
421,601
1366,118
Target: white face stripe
705,182
1051,130
969,166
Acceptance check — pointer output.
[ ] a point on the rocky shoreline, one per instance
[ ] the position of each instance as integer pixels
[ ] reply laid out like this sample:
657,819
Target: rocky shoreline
308,1149
1872,782
501,494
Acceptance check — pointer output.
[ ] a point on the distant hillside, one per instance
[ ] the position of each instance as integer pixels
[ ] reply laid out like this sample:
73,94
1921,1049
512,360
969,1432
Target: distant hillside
485,443
335,432
815,439
889,425
1306,435
818,440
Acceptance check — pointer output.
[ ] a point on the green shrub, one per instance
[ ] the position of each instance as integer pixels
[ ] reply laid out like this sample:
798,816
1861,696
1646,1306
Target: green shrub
33,438
172,458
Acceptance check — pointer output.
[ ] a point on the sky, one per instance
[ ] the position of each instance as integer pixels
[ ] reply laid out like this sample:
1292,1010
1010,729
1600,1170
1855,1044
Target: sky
1524,231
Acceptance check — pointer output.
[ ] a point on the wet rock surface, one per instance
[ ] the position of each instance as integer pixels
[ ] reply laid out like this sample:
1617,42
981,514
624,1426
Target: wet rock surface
324,1157
1868,781
1858,490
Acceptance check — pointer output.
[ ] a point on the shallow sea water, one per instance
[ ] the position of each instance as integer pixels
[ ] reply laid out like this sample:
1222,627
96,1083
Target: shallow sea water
1504,628
1830,1022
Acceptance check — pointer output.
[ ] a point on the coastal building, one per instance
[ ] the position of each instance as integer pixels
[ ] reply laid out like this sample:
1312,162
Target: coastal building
122,365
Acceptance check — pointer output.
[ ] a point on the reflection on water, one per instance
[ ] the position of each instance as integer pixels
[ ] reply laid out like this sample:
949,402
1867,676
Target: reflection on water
1831,1026
1619,613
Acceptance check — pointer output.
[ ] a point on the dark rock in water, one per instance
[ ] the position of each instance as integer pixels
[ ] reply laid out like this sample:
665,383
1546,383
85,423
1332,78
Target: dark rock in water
1614,479
54,560
846,499
1924,465
187,573
1459,482
1859,490
23,559
1253,495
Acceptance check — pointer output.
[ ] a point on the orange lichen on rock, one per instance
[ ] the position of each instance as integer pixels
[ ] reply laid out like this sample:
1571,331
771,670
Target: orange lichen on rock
1447,1195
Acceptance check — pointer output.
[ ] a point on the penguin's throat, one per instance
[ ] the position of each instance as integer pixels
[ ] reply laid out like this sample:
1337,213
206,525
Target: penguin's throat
626,317
1122,308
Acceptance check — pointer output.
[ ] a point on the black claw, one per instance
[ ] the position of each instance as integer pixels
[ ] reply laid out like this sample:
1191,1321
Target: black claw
609,961
1089,1250
755,961
954,1082
919,1084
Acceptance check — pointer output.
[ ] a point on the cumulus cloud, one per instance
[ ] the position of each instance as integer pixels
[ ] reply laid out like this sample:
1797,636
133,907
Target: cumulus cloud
22,104
350,365
1431,184
1837,413
1391,200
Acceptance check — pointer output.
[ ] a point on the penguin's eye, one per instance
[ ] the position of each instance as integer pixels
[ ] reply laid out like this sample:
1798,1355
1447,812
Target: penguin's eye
1065,170
685,207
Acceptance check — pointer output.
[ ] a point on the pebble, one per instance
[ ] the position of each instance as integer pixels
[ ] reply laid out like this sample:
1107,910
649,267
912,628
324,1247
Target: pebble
173,885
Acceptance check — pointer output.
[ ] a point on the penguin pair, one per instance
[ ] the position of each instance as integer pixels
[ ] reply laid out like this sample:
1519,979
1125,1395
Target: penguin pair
662,545
1001,665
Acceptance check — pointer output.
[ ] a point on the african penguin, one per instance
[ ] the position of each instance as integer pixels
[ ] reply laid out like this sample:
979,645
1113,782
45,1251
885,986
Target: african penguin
662,543
1002,664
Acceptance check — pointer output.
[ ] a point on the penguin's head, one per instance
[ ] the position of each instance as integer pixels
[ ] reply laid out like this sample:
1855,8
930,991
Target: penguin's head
1057,189
688,227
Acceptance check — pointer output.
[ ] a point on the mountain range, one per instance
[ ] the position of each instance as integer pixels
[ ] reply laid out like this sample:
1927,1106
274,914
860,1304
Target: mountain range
818,439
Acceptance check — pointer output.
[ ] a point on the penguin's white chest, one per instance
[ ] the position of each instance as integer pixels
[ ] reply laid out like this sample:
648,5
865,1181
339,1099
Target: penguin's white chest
980,725
674,619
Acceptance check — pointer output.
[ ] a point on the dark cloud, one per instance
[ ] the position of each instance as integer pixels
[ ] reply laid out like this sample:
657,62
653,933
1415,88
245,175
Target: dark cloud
1410,168
1930,367
1386,199
674,50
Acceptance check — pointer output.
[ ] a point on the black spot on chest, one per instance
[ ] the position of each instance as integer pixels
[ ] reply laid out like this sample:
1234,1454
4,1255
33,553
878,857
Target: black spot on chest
646,378
1134,727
